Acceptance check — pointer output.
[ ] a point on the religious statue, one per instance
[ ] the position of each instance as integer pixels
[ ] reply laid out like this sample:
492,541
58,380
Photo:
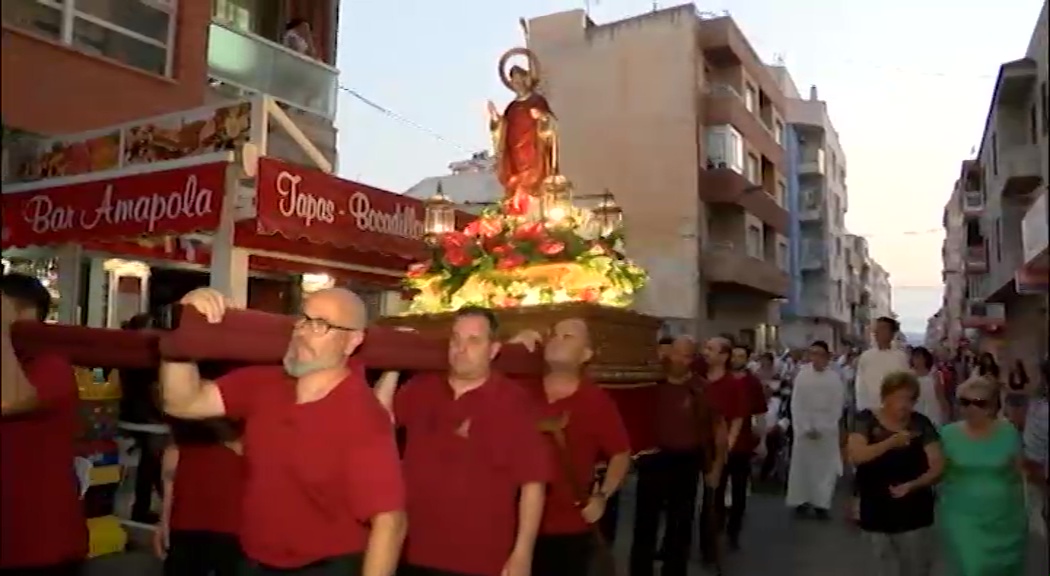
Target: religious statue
524,137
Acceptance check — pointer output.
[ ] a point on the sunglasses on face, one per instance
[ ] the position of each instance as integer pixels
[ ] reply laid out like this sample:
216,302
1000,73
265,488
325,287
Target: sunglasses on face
975,402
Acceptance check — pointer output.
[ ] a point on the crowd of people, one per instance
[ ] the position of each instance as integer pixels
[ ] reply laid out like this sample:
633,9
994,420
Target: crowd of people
321,467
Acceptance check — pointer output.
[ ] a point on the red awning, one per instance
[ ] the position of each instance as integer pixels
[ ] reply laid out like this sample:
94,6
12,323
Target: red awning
298,203
162,203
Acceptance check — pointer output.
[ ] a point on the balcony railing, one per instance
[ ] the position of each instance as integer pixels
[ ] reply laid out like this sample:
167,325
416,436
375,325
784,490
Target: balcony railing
812,162
984,315
257,65
813,256
973,202
976,259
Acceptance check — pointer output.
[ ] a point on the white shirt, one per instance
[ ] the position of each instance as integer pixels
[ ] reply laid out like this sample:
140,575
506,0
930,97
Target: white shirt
872,367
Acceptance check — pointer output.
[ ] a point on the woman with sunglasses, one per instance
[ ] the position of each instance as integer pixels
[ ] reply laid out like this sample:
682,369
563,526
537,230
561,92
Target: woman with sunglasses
982,508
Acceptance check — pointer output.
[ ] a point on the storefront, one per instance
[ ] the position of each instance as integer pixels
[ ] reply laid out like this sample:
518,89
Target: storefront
123,236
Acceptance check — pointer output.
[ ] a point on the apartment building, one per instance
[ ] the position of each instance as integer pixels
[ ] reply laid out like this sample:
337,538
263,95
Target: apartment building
818,305
1013,167
964,257
675,114
881,292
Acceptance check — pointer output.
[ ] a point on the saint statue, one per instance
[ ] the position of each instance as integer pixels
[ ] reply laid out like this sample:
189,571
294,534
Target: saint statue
524,137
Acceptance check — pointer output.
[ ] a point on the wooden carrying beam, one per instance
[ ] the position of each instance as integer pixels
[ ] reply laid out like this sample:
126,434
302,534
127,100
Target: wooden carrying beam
245,337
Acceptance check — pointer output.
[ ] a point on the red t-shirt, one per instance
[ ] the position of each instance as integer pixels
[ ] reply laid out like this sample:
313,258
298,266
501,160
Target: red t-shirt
595,433
465,460
41,515
317,472
676,424
729,399
755,397
208,490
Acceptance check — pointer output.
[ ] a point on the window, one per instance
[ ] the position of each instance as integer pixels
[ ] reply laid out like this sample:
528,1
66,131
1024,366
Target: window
782,255
781,192
750,97
754,242
995,154
778,132
726,146
754,169
998,240
137,33
1033,122
1046,108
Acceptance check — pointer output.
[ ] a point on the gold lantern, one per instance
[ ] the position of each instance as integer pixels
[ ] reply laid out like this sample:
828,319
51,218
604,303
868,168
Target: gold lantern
440,215
608,214
556,201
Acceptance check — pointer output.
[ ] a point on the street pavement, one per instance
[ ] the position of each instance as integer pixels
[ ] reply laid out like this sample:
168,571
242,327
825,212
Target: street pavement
773,544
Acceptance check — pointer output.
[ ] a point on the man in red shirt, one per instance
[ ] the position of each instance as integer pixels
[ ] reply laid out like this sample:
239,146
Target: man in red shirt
476,465
590,431
42,526
323,491
729,401
203,477
738,466
686,428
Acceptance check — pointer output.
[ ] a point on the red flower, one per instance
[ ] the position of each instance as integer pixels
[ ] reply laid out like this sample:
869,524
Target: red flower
509,261
589,295
552,247
419,269
457,257
455,241
473,229
529,231
489,227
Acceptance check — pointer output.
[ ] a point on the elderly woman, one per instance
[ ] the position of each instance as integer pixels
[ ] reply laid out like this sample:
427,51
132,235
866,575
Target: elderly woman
897,453
982,504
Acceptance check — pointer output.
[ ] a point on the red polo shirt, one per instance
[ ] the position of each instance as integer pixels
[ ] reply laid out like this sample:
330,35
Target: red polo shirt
729,399
677,427
465,460
41,515
755,397
316,472
208,490
595,433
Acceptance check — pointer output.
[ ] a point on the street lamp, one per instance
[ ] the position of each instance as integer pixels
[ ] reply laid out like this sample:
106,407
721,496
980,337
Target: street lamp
556,201
608,214
440,216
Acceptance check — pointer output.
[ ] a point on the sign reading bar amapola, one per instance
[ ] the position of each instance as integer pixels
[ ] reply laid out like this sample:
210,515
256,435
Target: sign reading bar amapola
162,203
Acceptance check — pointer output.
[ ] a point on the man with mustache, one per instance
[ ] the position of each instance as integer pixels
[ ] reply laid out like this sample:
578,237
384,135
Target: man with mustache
584,428
323,492
476,466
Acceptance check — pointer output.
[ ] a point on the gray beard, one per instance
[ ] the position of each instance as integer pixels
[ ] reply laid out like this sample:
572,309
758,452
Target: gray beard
297,369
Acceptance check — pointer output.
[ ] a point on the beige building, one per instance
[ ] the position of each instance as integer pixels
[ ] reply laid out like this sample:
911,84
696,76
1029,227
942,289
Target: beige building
677,115
1013,167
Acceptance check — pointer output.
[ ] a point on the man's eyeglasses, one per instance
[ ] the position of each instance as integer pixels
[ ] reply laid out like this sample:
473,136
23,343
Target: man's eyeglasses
320,326
975,402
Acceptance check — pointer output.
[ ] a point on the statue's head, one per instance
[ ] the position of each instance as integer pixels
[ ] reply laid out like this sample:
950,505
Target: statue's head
520,80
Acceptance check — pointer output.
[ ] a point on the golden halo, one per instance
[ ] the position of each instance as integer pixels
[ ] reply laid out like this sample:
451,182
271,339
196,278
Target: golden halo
534,66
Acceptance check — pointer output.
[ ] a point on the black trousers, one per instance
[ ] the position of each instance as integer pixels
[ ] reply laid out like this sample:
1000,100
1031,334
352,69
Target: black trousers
348,565
418,571
65,569
667,485
562,554
147,476
737,475
198,553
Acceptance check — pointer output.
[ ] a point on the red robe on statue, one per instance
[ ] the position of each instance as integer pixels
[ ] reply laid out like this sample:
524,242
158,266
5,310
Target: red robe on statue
525,159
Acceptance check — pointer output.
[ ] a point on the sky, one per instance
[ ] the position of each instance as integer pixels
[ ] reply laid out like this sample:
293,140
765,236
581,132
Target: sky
908,84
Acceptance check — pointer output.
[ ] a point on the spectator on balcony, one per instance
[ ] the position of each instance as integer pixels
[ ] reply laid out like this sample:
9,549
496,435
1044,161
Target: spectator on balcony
298,37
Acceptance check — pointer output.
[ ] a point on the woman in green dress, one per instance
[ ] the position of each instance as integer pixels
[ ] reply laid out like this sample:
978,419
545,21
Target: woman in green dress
982,509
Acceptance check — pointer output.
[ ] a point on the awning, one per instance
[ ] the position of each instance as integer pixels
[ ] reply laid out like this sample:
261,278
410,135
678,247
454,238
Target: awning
152,204
331,215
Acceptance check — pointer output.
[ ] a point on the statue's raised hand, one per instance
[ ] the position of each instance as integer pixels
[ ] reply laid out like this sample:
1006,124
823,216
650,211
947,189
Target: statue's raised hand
493,111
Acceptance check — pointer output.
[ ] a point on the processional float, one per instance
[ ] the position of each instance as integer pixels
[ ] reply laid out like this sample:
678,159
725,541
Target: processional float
535,257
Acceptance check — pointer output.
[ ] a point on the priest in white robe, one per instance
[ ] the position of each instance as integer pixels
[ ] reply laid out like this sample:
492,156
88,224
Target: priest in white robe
816,456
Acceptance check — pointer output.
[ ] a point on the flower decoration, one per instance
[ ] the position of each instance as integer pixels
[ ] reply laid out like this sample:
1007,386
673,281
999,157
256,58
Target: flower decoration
502,260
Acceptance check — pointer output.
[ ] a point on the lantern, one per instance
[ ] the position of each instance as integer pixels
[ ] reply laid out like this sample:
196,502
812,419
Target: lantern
608,214
556,201
440,215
